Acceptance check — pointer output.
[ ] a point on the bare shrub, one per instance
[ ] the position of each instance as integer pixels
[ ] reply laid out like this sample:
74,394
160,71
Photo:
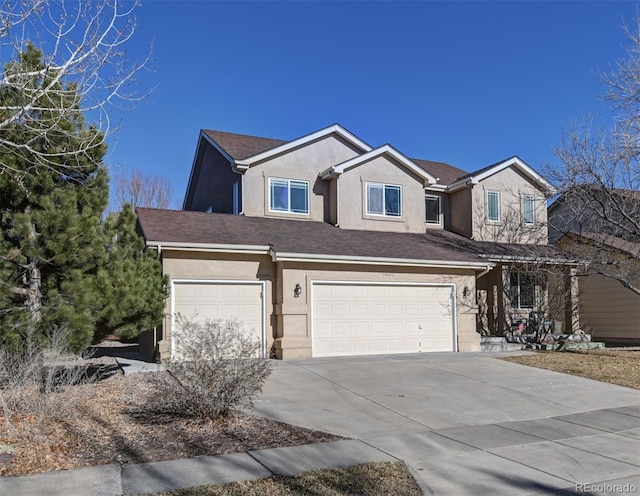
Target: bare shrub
216,367
39,380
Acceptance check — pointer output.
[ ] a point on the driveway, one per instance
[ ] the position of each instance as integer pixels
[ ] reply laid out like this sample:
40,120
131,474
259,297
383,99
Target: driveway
467,423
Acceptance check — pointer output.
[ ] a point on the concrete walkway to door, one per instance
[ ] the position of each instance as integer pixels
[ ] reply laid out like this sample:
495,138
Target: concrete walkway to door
468,423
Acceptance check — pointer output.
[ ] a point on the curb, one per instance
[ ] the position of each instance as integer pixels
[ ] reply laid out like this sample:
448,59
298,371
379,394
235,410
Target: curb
114,480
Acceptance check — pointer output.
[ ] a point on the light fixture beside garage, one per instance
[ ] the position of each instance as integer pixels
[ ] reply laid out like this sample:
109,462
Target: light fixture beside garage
465,292
297,291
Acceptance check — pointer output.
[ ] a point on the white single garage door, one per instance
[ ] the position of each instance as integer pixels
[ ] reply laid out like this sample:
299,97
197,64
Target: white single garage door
372,319
204,300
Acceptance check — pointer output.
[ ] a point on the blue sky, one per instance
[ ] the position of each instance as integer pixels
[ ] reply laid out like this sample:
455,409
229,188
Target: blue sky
467,83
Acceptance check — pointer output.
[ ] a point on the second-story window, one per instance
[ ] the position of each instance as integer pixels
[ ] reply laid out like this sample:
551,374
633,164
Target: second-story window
288,195
432,208
384,199
528,211
493,206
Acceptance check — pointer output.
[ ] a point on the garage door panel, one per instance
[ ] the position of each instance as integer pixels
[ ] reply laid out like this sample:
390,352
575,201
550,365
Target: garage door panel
381,319
200,302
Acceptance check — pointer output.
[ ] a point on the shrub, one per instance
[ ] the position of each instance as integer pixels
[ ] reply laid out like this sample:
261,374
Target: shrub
38,380
216,367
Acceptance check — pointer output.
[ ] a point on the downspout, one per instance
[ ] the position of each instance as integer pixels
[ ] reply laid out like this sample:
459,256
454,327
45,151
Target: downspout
338,201
241,212
485,271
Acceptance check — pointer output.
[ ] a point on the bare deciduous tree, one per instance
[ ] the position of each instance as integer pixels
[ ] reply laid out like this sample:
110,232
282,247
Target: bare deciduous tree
598,177
84,60
140,190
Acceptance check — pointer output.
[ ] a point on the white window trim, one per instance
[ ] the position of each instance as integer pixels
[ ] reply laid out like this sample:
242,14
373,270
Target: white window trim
383,214
433,197
489,219
288,181
531,198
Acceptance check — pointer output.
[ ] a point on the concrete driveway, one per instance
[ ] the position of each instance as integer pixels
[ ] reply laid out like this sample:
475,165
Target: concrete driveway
468,423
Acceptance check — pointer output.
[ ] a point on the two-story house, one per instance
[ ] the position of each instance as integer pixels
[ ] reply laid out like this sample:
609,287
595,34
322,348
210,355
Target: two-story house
327,246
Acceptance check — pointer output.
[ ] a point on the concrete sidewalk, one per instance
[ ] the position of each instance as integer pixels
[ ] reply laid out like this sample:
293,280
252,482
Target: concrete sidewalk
114,480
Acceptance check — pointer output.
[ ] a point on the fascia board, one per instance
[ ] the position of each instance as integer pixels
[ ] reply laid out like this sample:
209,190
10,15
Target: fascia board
217,147
523,167
513,258
193,169
210,247
458,185
405,262
388,150
437,188
336,128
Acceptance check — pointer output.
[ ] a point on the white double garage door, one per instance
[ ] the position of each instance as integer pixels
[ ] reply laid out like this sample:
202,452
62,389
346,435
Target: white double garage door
347,318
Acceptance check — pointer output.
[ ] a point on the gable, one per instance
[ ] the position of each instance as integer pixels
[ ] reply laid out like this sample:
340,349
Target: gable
336,131
387,153
514,163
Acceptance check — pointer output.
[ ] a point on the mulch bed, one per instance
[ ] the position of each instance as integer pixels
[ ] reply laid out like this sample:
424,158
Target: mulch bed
113,426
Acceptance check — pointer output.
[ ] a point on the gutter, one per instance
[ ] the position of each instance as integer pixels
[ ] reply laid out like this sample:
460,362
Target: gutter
317,258
511,258
348,259
211,247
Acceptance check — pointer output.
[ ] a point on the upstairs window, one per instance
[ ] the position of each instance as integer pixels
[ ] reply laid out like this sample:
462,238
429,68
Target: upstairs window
432,208
528,211
288,195
493,206
384,199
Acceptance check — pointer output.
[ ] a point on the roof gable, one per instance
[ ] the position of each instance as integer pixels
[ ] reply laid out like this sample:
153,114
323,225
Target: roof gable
385,150
284,147
513,162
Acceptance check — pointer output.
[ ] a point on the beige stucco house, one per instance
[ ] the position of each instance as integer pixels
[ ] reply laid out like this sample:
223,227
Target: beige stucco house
327,246
609,305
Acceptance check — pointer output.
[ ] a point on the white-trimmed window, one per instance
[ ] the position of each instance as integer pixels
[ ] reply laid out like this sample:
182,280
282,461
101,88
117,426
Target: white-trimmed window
528,210
493,206
288,195
432,209
384,199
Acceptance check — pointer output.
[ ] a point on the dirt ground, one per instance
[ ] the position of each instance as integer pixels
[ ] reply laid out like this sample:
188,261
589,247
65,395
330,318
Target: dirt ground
112,426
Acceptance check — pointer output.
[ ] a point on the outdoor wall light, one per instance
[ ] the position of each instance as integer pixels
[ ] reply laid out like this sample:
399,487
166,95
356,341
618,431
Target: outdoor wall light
297,291
465,292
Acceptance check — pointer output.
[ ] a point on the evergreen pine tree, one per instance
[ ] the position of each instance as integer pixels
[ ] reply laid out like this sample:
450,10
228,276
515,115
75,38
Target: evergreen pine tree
132,284
52,244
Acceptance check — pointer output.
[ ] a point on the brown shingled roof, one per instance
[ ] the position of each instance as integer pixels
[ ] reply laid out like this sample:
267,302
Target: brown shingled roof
241,146
447,174
301,237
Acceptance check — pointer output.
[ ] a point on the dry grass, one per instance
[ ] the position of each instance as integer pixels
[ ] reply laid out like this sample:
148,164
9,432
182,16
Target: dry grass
616,367
372,479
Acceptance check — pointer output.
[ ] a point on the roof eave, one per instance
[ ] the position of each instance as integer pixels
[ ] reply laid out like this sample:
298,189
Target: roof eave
335,128
351,259
210,247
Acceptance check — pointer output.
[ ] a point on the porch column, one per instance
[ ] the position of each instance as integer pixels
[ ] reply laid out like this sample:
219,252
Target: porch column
571,302
503,305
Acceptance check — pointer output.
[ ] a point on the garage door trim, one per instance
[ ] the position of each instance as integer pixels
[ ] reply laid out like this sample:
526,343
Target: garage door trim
262,284
452,287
